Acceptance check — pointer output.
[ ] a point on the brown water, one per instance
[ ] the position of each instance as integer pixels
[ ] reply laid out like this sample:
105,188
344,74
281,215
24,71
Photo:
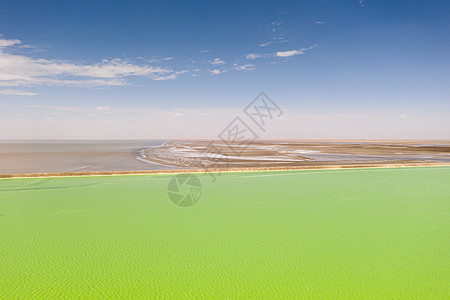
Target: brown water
75,156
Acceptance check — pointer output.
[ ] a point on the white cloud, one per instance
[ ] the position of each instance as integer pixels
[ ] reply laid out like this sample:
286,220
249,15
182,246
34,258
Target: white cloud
293,52
17,93
8,43
319,22
217,61
168,58
361,2
288,53
217,72
22,70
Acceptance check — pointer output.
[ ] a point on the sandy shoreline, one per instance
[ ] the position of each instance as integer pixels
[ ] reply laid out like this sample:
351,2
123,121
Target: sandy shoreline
230,170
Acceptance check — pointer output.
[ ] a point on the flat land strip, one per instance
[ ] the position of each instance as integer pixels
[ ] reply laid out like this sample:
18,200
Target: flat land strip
288,154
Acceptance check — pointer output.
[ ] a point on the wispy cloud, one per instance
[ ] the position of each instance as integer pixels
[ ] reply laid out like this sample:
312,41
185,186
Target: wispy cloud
171,76
319,22
361,2
276,41
276,26
246,67
23,70
276,33
266,44
17,93
253,56
217,61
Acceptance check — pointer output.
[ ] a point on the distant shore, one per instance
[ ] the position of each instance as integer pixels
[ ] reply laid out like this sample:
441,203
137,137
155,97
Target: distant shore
298,154
96,158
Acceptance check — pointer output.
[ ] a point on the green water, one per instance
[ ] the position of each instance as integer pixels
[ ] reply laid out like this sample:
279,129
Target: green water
328,234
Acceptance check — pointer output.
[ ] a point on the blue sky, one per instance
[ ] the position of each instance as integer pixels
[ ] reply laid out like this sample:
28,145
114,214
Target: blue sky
184,69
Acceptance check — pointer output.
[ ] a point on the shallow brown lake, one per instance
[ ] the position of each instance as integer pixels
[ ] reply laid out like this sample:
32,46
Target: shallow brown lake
75,156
